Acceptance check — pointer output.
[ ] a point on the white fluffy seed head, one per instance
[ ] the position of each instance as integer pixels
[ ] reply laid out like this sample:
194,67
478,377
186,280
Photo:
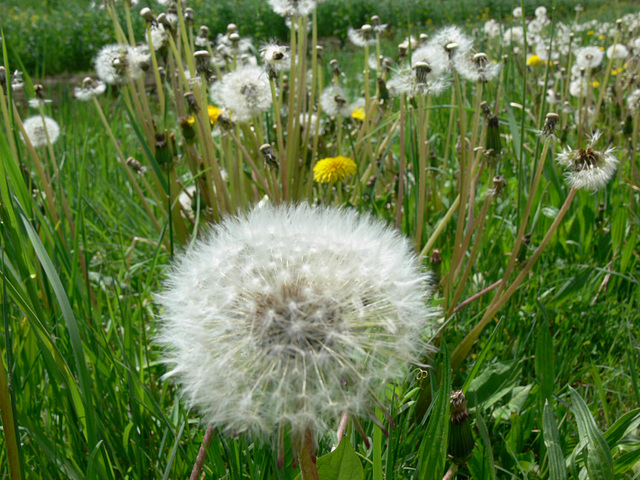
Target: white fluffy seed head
588,168
245,92
119,64
288,316
37,130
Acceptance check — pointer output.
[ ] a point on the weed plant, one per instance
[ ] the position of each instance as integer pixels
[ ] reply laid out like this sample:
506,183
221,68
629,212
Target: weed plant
509,160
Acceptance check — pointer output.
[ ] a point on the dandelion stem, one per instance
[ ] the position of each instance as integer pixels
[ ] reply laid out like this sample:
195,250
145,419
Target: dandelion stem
307,457
498,302
202,454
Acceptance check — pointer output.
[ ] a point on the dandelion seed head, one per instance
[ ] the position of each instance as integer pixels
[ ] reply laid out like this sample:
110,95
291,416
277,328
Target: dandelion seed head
37,130
617,51
589,57
334,102
293,8
118,64
90,88
588,168
289,316
245,92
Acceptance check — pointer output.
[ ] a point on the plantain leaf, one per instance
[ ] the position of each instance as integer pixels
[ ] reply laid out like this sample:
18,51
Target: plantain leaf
557,467
598,458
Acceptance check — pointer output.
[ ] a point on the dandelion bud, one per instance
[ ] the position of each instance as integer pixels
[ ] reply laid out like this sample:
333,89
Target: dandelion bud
383,90
480,59
166,23
619,24
521,257
136,166
375,20
335,68
499,183
148,16
38,89
550,123
189,14
486,110
269,156
224,121
422,71
234,38
192,102
423,38
163,155
202,63
435,260
493,146
461,441
319,51
451,47
232,28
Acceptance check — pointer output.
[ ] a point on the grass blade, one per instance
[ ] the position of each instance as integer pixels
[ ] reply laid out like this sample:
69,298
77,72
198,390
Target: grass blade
557,467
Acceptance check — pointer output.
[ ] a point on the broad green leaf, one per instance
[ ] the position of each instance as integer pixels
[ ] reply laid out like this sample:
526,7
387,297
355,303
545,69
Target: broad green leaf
341,464
599,461
557,467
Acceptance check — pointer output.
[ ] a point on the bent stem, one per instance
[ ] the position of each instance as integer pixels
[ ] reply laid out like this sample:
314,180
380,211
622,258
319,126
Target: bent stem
464,347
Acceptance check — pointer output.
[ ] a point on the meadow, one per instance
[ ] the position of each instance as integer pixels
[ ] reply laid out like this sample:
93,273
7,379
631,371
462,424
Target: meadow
501,154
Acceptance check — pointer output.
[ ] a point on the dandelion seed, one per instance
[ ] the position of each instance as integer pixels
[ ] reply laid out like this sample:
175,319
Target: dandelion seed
588,168
333,169
289,316
37,130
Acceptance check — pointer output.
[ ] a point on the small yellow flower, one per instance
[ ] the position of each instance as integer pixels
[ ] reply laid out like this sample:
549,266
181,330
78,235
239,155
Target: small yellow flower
333,169
358,114
534,60
591,32
600,37
214,113
595,84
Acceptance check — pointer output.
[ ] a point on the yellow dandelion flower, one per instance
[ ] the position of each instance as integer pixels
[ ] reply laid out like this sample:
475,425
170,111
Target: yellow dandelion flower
534,60
591,32
333,169
358,114
214,113
595,84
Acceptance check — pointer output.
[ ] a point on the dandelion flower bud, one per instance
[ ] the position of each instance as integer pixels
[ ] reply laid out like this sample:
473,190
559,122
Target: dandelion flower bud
289,316
269,156
550,123
41,133
499,184
461,441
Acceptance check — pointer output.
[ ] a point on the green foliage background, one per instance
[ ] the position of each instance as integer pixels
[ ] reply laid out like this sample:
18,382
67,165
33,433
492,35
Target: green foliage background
55,36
